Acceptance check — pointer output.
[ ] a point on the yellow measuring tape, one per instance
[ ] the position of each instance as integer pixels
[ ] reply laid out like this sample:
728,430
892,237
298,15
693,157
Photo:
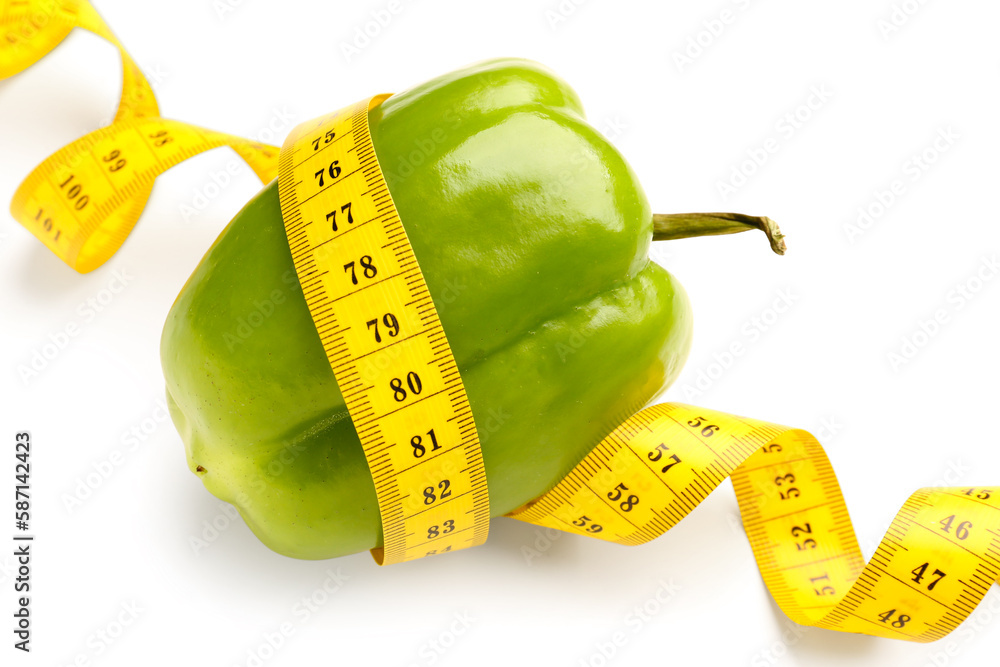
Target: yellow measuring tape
382,335
83,200
936,562
393,365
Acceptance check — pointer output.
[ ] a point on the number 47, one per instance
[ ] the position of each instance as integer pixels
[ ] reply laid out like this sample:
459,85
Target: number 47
919,573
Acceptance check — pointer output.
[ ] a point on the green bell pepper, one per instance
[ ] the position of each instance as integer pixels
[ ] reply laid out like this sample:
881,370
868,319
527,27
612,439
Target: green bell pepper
532,233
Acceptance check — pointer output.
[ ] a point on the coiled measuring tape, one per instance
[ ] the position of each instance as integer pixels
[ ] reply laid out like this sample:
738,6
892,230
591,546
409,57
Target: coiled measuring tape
368,299
83,200
935,563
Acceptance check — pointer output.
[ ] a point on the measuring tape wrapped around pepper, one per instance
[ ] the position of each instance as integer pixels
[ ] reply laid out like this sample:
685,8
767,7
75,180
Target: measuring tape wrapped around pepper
311,379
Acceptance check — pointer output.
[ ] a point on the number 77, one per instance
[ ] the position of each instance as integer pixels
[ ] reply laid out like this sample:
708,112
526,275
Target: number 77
331,217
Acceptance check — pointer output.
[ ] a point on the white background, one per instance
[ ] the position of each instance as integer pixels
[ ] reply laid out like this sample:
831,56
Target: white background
684,127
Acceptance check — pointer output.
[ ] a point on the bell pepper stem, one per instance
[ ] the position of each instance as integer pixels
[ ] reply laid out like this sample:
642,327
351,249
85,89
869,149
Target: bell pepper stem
669,226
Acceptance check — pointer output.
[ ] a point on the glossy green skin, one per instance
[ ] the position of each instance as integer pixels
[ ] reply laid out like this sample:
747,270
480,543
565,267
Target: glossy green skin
532,233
